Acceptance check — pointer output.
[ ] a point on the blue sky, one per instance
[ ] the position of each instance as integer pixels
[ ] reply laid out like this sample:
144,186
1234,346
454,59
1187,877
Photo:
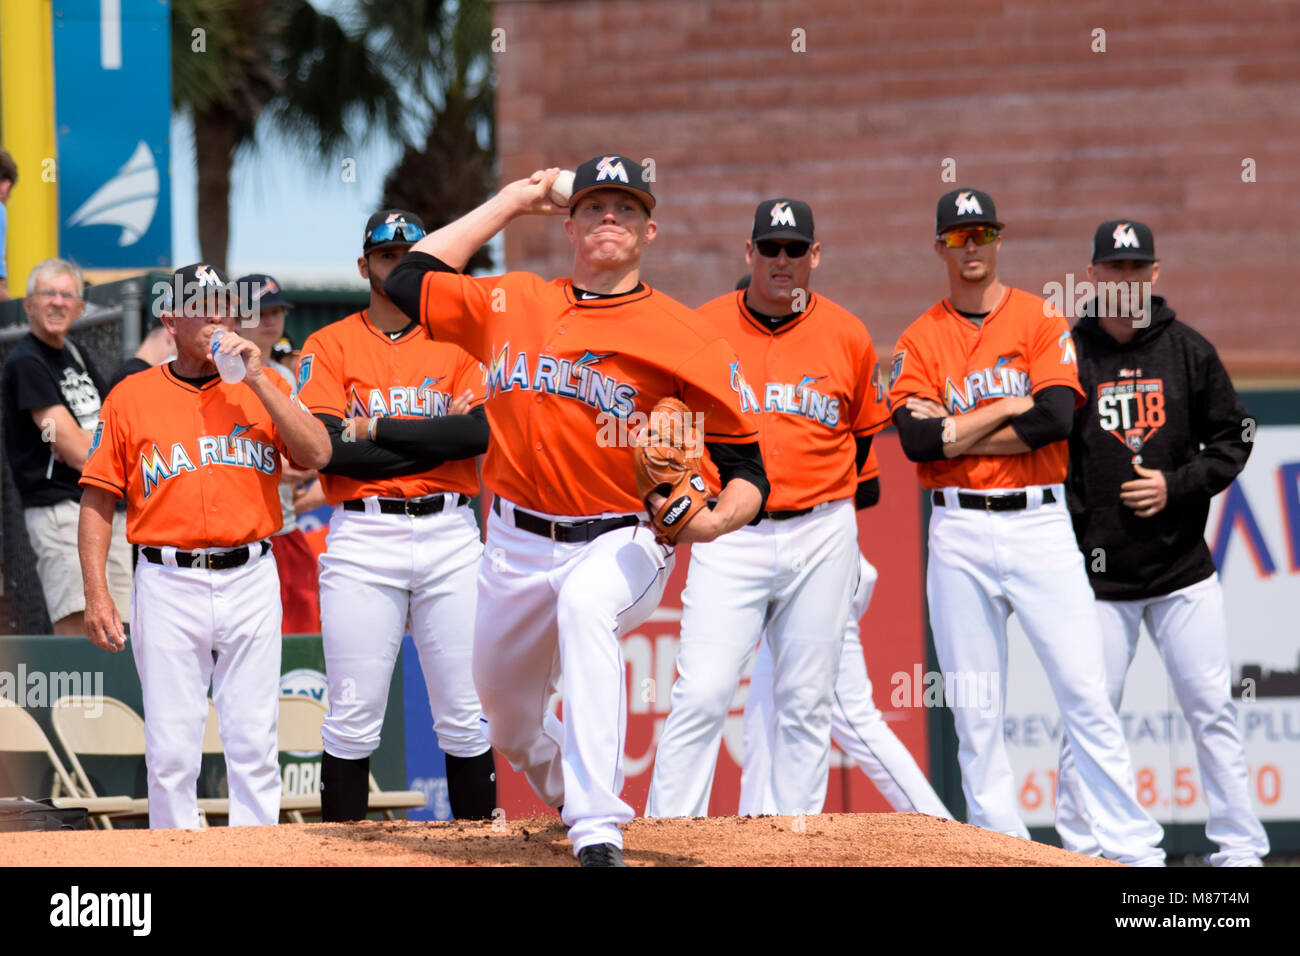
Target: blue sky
291,215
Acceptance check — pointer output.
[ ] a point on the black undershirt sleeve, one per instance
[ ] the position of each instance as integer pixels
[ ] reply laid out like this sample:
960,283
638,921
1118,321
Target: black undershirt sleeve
868,494
450,437
1051,418
404,282
864,449
741,461
362,459
921,438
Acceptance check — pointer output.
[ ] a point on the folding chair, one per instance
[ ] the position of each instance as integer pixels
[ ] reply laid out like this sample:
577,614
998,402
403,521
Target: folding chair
301,717
20,733
99,726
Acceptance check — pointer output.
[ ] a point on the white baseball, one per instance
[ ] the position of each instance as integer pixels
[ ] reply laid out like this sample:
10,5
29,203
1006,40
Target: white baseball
562,188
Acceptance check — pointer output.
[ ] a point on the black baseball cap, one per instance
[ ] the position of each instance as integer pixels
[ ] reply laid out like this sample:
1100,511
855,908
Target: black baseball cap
611,172
392,227
783,219
260,290
965,207
1118,239
197,286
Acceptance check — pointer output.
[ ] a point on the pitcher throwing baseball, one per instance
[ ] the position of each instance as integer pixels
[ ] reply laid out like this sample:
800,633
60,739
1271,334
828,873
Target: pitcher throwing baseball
568,566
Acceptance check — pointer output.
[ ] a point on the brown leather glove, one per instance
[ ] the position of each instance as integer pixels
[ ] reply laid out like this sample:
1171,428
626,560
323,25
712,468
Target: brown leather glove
667,463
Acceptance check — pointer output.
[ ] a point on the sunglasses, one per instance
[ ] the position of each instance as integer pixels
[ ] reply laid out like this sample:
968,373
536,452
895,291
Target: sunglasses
770,249
957,238
401,231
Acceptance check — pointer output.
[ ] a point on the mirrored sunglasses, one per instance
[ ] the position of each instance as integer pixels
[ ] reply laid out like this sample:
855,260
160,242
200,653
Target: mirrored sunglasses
390,231
956,238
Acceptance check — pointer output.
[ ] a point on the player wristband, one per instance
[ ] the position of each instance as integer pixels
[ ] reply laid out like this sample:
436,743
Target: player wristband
370,429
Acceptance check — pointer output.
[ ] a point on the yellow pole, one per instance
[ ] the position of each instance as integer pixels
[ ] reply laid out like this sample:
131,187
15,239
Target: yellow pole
27,110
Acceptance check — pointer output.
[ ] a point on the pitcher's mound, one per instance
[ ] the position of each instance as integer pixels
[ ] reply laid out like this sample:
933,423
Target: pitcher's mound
839,839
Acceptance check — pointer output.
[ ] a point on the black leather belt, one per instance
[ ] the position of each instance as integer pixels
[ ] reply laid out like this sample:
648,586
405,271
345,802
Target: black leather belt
415,507
787,515
567,532
210,561
1014,501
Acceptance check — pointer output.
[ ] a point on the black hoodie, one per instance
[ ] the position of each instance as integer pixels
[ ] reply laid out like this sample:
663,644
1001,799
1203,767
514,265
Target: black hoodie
1165,400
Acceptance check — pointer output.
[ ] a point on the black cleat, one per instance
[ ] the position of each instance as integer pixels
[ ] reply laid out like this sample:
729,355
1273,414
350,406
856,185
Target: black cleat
600,854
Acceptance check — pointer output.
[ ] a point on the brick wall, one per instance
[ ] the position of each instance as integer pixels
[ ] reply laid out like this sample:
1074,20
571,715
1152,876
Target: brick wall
1155,128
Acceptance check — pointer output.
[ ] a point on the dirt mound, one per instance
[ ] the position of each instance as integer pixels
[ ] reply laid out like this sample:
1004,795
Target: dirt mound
840,839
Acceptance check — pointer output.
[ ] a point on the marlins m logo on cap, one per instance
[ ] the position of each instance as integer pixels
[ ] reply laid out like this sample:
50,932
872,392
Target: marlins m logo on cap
1125,237
783,215
967,204
204,275
611,168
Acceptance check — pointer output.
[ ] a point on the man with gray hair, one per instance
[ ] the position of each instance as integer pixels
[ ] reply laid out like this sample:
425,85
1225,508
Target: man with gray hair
52,395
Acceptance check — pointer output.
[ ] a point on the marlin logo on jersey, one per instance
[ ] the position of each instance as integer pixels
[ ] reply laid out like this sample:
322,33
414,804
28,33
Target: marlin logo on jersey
1000,381
803,400
304,372
233,450
1133,410
748,400
607,169
876,383
783,215
1066,344
423,401
94,441
577,379
1125,237
967,203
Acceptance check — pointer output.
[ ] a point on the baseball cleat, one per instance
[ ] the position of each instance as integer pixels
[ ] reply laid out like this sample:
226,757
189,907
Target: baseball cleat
600,854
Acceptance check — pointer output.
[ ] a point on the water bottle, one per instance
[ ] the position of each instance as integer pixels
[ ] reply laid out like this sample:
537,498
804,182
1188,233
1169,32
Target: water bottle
231,367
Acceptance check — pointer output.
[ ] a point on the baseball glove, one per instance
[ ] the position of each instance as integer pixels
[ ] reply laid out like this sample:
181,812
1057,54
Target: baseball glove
668,464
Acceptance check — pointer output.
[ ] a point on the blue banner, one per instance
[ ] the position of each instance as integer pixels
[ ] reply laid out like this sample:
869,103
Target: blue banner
112,94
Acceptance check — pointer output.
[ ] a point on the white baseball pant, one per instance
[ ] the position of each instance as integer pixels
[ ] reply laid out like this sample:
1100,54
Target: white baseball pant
983,565
857,726
546,610
794,579
377,569
191,628
1190,630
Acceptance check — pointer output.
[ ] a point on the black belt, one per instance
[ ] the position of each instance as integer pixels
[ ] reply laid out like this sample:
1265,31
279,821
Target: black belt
415,507
1014,501
787,515
567,532
213,561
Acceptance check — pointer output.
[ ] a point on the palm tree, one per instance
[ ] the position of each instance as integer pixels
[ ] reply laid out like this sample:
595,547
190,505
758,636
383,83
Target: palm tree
454,169
235,62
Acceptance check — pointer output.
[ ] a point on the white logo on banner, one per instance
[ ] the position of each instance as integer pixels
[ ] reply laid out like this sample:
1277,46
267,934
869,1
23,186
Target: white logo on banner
128,200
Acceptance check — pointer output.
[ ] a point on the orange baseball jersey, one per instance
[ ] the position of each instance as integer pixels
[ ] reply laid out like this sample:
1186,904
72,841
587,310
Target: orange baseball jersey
568,379
199,467
351,369
1022,347
814,385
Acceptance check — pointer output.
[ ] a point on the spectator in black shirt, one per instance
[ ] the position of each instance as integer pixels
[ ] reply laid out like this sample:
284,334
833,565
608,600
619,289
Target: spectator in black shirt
52,396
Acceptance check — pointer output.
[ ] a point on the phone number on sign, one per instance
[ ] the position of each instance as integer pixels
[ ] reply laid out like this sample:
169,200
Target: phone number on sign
1153,790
